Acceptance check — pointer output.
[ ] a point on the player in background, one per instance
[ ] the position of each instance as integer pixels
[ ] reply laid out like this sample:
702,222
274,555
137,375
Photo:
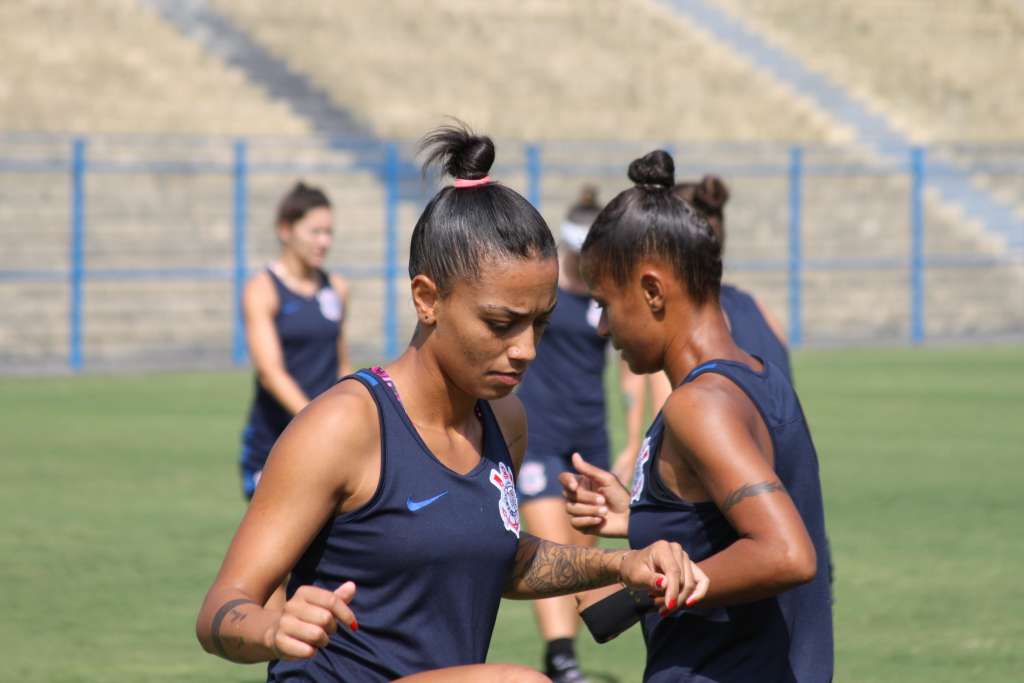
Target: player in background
564,399
294,325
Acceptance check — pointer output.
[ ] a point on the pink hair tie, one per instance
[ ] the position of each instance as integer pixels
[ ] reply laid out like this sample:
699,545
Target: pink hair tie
465,182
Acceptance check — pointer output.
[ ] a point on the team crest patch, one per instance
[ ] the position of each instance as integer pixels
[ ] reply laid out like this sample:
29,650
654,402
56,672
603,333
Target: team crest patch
532,479
508,505
638,471
330,304
593,314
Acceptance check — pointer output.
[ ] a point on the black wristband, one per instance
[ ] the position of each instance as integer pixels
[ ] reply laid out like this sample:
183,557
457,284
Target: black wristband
609,617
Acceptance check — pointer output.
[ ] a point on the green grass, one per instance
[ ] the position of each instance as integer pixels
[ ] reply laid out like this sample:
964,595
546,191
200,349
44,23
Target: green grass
119,495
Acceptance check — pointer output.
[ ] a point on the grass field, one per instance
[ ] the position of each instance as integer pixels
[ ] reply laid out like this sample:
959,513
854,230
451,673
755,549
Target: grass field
119,495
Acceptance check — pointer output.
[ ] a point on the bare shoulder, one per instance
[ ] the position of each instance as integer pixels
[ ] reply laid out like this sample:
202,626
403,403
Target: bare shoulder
259,291
511,418
706,405
331,436
773,322
338,284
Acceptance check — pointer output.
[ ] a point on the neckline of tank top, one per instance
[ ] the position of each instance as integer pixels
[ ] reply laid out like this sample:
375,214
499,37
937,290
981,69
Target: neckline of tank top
709,365
386,378
325,282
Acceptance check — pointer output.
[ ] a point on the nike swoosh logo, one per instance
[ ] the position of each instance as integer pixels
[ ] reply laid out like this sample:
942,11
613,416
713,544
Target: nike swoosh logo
415,505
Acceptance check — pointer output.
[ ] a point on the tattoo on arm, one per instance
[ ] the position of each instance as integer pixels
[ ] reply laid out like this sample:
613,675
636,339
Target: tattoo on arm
544,569
749,490
228,608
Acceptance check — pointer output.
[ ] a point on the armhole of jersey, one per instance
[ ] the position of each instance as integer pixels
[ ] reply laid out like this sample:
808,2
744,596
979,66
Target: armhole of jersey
275,288
370,383
491,418
757,407
658,489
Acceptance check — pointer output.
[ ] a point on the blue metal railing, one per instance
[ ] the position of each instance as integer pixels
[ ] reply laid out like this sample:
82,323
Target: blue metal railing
238,354
76,272
797,166
795,259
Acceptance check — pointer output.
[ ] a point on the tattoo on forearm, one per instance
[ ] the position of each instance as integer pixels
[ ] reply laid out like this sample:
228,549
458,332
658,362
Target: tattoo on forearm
549,569
749,490
236,616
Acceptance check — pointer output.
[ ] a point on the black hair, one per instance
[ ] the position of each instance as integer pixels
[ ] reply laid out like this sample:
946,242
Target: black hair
709,196
461,227
299,201
586,208
650,220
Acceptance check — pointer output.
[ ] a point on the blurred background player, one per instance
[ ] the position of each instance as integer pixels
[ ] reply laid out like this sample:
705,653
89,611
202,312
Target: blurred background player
294,320
564,400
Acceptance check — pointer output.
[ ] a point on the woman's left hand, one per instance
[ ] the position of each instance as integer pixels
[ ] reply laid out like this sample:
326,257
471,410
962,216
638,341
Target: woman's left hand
667,571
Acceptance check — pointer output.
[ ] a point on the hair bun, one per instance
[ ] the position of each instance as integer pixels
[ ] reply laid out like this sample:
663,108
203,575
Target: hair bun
712,192
654,169
458,151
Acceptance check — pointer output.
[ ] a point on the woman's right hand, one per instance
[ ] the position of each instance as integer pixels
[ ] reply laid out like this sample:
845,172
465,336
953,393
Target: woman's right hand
595,499
309,619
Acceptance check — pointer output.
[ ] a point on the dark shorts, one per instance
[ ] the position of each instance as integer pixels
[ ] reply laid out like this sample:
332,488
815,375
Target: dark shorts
538,476
254,456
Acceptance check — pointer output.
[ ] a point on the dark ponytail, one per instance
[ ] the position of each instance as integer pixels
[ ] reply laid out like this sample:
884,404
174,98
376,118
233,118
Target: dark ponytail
709,196
650,220
461,227
299,201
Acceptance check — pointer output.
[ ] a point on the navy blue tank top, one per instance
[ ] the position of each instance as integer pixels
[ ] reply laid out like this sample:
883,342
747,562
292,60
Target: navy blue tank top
430,555
783,639
308,328
563,392
750,330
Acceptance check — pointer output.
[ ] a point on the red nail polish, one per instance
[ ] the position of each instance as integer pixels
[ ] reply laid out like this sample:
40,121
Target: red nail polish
661,581
354,625
672,603
690,600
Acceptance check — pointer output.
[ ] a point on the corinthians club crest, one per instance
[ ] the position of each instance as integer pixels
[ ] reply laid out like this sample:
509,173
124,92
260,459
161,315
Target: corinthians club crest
508,506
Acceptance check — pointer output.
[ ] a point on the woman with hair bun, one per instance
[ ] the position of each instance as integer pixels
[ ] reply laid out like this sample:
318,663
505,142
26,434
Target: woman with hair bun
390,499
753,327
294,325
727,469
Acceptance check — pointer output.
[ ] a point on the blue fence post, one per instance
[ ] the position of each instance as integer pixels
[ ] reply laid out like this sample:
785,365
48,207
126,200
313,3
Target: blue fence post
917,171
76,272
391,174
238,354
533,175
795,247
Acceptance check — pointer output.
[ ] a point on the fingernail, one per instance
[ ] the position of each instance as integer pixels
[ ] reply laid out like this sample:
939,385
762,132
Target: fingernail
692,599
672,603
603,510
600,500
354,625
663,613
661,581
